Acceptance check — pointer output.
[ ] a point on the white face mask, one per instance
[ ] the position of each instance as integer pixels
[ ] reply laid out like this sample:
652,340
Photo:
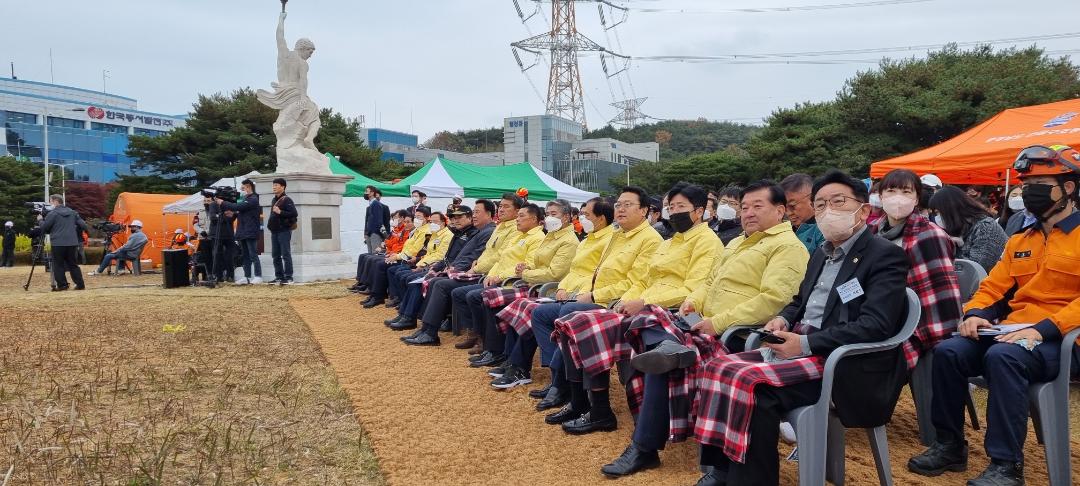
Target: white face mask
725,212
394,223
898,206
938,221
551,223
418,222
837,225
1016,203
586,224
875,200
664,214
416,199
434,227
707,215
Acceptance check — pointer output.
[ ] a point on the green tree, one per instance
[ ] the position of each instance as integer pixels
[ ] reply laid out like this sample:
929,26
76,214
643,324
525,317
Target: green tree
230,135
20,182
906,105
679,139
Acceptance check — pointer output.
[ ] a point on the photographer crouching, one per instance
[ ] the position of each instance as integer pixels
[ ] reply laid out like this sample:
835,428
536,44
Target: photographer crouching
130,251
63,225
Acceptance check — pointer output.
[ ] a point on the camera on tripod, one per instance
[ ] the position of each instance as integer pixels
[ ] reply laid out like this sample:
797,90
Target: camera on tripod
225,193
38,208
109,227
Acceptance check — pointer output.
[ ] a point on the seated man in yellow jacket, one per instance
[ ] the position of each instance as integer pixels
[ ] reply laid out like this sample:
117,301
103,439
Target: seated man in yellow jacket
754,277
549,262
596,219
679,266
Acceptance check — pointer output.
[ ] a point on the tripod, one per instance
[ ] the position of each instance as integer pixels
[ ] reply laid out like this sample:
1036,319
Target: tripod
39,255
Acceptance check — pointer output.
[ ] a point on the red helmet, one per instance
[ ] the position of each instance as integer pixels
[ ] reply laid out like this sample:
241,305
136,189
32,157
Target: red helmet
1039,160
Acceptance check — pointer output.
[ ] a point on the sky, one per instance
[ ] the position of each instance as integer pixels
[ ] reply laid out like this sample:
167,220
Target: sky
421,66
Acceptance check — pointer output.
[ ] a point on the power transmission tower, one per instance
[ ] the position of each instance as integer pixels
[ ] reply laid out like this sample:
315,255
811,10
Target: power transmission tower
565,96
629,113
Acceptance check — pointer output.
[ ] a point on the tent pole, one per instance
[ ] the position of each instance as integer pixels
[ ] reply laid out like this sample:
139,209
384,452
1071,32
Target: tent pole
1008,177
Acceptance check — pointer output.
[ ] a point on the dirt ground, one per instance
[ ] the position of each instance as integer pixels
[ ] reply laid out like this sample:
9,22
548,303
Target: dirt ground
432,419
129,383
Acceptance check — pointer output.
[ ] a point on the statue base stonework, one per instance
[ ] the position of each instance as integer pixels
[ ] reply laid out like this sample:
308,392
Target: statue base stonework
316,242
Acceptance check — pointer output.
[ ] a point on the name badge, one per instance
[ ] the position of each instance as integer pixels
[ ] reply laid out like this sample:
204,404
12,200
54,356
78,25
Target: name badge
437,240
1022,254
521,243
850,290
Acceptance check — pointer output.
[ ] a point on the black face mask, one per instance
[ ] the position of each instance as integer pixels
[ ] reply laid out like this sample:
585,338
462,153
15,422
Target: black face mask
681,222
1040,203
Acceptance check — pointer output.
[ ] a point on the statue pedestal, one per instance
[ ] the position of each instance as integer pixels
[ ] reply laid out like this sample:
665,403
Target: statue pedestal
316,242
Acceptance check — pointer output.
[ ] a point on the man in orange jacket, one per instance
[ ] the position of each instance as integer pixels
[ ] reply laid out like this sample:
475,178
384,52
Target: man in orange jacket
1036,282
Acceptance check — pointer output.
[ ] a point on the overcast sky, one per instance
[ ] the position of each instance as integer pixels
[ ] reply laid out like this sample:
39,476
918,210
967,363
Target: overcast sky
430,65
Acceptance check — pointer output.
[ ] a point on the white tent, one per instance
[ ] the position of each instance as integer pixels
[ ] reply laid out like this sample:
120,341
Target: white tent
443,178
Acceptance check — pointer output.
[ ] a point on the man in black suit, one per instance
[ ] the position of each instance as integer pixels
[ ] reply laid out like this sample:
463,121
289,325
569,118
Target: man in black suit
419,200
853,292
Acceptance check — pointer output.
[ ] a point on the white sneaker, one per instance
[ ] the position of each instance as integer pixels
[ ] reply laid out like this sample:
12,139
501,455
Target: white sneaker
256,280
241,281
91,273
787,433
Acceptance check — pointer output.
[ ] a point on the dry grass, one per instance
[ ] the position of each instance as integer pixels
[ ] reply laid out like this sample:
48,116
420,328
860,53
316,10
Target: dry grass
101,387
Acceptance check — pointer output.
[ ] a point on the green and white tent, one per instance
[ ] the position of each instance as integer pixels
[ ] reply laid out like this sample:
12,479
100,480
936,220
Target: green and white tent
355,187
443,178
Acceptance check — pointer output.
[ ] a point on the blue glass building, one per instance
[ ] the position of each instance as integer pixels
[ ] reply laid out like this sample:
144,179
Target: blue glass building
394,145
88,130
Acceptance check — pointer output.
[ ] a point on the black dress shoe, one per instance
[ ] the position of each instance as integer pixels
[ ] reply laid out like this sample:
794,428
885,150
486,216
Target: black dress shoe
539,394
940,457
665,357
413,335
80,287
586,425
393,302
60,289
445,326
467,343
1000,473
424,339
390,322
711,478
492,360
632,460
555,398
478,357
372,303
564,414
404,324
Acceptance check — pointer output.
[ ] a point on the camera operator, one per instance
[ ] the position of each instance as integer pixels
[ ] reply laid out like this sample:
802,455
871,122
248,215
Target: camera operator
223,238
130,251
283,216
8,257
247,230
63,225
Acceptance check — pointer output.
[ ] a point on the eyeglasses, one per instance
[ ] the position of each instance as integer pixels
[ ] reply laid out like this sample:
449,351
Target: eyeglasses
794,203
626,205
837,201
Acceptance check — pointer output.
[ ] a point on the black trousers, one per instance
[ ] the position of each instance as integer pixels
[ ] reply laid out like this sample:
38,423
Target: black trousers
762,466
8,257
364,265
65,259
438,300
224,256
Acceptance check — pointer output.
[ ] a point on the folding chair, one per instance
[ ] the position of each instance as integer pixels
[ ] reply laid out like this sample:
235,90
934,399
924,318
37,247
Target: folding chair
821,435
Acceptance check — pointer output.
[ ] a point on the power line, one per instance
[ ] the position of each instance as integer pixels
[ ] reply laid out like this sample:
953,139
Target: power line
798,8
843,52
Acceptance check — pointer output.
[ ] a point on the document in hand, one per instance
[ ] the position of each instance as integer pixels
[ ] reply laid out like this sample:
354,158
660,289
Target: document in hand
418,280
1000,329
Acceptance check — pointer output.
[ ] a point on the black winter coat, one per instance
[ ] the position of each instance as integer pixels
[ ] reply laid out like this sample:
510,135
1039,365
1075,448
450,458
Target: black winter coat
248,212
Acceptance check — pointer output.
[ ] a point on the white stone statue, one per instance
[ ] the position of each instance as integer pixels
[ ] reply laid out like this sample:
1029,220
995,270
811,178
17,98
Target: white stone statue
298,117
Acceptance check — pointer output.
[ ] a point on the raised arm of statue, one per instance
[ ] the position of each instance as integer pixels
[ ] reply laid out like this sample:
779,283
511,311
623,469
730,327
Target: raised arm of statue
282,46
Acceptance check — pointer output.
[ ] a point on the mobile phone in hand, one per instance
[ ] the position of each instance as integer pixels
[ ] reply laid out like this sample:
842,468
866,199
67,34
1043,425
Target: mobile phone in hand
768,336
692,319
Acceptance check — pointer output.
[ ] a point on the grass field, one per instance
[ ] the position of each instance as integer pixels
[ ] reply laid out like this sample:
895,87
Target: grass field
128,383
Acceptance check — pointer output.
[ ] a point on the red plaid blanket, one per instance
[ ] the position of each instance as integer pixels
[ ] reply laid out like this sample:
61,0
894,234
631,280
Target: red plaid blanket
427,280
517,316
682,383
725,399
594,338
497,297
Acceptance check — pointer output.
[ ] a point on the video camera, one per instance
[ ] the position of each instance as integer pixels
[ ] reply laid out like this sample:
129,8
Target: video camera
109,227
38,208
226,193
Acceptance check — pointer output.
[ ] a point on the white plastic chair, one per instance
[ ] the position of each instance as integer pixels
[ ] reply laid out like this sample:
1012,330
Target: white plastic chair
821,435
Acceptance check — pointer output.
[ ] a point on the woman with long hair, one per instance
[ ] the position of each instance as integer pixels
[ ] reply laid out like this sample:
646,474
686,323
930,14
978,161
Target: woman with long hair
978,236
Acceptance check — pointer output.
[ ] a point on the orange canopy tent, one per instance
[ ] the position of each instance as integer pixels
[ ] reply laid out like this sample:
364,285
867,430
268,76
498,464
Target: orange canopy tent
158,228
984,154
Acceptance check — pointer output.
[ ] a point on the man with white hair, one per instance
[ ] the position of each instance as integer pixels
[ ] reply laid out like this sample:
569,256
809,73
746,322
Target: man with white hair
131,250
8,257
